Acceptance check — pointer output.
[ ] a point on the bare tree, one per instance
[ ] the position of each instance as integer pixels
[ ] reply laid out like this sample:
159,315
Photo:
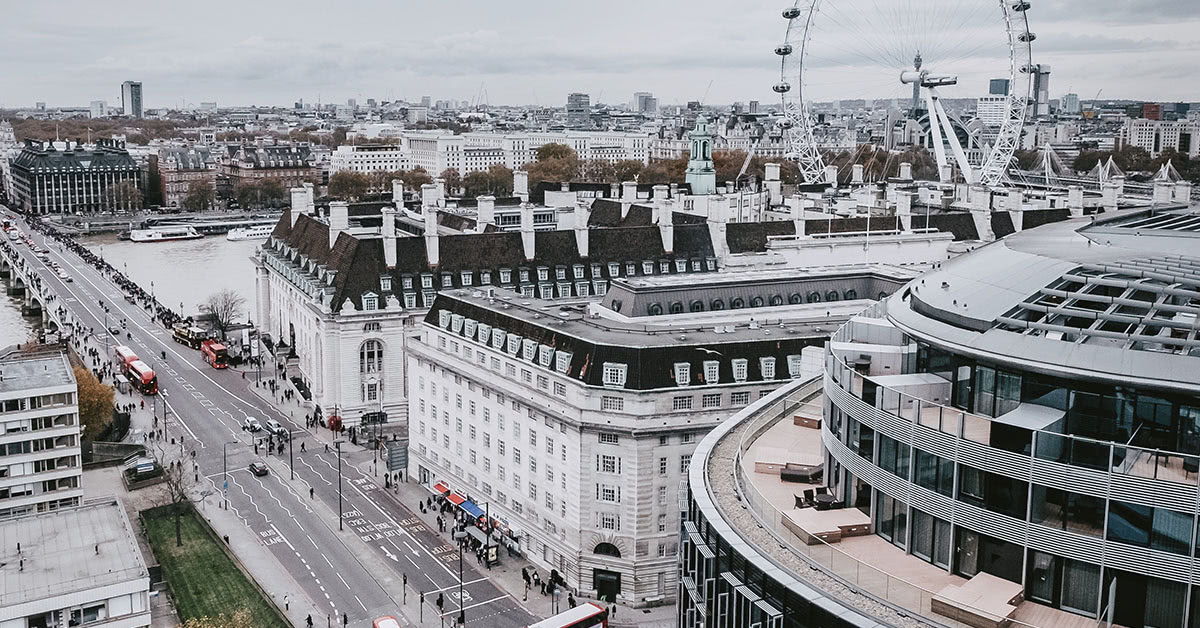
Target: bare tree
180,479
225,306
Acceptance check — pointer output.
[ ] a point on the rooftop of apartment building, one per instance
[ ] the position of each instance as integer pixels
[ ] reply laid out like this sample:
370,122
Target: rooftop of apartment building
21,373
66,551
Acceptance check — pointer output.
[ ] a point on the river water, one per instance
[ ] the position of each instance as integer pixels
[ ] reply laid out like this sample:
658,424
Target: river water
183,273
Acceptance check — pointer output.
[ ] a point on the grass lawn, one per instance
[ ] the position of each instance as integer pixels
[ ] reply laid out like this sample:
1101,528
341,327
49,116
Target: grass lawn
204,581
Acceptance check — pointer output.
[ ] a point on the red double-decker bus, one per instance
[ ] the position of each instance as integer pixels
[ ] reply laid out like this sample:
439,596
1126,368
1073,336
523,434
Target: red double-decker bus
142,377
215,354
586,615
124,356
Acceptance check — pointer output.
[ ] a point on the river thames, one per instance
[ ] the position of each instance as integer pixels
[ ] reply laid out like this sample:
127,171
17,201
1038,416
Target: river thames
183,272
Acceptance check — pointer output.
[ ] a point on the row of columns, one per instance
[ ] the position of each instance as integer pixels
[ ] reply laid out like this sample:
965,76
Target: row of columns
84,191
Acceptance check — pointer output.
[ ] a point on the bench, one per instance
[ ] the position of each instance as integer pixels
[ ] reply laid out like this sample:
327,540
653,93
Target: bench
807,421
802,473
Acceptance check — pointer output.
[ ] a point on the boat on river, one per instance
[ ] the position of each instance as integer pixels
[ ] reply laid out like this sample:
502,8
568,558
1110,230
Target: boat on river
257,232
165,233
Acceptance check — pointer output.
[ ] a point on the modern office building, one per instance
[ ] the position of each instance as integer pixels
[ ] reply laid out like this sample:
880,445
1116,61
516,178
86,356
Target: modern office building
67,177
1155,136
40,466
1070,103
1011,439
475,152
998,87
131,98
365,158
1029,415
992,110
579,109
1041,91
98,109
80,566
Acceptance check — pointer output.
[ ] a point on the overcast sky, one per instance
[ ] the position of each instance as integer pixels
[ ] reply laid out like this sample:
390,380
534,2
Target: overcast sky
536,51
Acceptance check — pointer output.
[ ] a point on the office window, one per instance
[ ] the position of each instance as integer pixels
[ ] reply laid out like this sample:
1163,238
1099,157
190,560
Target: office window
740,367
712,372
612,403
609,438
681,403
608,464
662,496
684,461
739,398
662,523
560,389
543,382
683,373
712,400
767,366
614,374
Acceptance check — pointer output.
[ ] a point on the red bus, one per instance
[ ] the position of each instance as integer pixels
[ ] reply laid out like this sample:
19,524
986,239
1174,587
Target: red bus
142,377
586,615
124,356
215,354
386,622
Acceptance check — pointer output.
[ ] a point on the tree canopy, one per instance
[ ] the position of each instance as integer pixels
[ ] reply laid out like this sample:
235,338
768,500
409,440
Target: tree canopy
348,185
199,197
225,306
95,402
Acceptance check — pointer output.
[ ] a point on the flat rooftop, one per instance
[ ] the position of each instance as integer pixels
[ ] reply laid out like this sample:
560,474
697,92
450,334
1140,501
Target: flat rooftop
59,550
18,373
773,275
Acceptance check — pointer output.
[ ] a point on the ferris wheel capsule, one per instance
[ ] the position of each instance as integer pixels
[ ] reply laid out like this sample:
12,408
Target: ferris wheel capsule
782,87
1018,5
791,13
786,123
1027,36
783,50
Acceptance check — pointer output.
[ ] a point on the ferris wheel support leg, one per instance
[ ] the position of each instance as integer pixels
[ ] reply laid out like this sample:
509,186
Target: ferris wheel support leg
935,128
959,155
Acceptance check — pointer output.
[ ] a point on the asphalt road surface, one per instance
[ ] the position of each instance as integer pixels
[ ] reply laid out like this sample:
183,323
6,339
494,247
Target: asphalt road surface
209,406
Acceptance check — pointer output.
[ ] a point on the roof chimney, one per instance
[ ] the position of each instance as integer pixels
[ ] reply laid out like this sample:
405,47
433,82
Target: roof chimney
856,174
582,213
398,193
774,185
628,196
718,207
1075,200
796,209
339,220
906,171
1183,192
428,197
663,215
527,235
614,190
432,250
298,206
1163,192
521,185
389,236
831,175
904,203
486,212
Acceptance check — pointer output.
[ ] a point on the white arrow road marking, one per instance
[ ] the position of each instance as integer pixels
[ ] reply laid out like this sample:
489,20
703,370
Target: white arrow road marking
389,554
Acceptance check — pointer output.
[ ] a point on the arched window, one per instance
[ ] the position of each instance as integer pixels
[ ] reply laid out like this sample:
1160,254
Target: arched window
737,303
850,295
814,297
776,299
655,309
832,295
697,305
607,549
370,357
756,302
677,307
717,305
795,298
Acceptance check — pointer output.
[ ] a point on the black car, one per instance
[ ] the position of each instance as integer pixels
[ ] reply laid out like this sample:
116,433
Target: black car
258,468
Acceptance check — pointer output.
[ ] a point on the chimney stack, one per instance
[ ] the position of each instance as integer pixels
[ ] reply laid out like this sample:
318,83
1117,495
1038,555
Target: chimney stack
614,190
527,234
1075,200
663,216
796,208
904,204
298,204
856,174
946,173
389,236
521,185
486,212
398,193
1183,192
1164,192
831,176
906,171
1109,195
428,197
718,210
628,196
339,220
432,250
582,213
774,185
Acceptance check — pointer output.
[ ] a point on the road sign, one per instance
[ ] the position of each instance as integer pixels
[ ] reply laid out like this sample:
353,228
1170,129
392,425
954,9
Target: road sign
397,455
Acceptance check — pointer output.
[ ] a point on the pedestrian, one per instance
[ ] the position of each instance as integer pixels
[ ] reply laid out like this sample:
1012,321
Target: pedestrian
543,585
310,492
285,603
326,447
570,600
308,621
301,447
256,448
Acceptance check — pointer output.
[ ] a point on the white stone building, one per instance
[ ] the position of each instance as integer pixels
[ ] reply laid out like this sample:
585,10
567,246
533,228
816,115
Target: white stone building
40,464
472,152
80,566
364,158
574,424
1155,136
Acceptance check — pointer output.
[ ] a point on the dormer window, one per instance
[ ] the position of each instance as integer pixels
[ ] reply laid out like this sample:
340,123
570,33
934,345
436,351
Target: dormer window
767,366
543,273
795,367
426,280
406,283
712,263
465,277
523,274
546,292
680,265
447,280
712,372
578,271
647,268
615,374
614,269
630,269
664,267
596,271
562,361
695,265
485,278
370,301
683,373
410,300
385,284
740,366
545,355
560,273
505,275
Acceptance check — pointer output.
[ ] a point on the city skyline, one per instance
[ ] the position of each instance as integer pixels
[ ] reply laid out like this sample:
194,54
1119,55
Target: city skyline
273,56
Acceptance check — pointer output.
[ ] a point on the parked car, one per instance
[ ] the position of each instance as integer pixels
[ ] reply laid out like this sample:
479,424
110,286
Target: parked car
251,424
258,468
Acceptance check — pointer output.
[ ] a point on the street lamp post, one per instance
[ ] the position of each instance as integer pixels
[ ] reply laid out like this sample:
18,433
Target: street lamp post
291,458
338,445
225,464
462,611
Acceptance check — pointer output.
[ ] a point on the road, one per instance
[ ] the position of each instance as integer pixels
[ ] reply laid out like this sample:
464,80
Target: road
209,405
